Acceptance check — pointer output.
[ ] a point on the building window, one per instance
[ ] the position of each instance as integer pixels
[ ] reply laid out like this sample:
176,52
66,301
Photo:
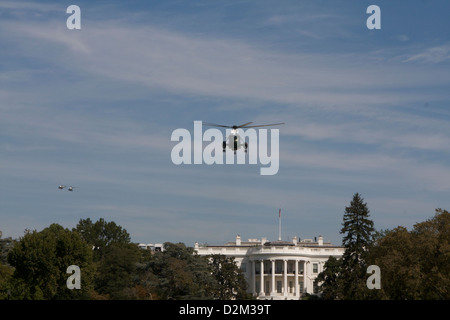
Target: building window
279,267
315,268
244,267
267,267
300,269
279,286
315,288
291,268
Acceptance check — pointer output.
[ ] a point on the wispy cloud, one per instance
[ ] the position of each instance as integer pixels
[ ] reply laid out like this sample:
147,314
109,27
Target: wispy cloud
389,134
29,6
224,67
436,54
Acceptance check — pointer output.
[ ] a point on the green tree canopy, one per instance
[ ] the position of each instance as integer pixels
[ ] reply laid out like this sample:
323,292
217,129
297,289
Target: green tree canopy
115,256
101,234
415,264
358,233
181,274
230,279
116,270
5,280
329,279
41,259
346,278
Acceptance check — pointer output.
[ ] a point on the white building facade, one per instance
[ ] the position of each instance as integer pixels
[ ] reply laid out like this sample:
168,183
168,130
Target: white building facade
278,269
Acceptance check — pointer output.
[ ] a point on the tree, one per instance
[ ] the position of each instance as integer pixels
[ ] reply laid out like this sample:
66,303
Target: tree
432,240
116,270
329,279
6,271
395,255
346,279
358,233
231,281
115,256
6,244
5,280
179,273
415,264
41,259
101,234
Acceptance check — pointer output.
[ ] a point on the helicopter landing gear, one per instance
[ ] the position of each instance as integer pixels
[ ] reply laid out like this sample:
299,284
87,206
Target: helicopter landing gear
235,146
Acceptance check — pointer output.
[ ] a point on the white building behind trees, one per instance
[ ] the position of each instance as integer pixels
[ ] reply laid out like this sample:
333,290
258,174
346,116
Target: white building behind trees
277,269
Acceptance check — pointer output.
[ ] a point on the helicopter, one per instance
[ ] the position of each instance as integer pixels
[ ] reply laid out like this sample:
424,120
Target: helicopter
70,188
234,141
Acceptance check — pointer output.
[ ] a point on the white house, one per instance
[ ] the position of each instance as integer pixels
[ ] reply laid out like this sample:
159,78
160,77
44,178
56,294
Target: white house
277,269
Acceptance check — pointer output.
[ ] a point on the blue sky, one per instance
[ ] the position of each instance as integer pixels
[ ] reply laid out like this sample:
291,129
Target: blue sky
365,110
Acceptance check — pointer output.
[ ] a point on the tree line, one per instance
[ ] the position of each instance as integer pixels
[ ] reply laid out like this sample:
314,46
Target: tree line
112,267
413,264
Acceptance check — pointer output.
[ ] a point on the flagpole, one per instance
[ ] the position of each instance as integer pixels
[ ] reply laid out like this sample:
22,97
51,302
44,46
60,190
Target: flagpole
279,225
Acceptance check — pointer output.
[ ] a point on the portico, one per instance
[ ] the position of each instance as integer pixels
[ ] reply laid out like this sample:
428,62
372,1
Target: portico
282,278
280,269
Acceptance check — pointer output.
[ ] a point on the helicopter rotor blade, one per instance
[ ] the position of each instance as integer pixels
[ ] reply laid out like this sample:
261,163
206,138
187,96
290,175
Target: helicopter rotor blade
264,125
216,125
244,125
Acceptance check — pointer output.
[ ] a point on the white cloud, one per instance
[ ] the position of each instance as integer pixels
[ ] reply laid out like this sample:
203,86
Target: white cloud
222,67
29,6
402,38
436,54
378,166
388,134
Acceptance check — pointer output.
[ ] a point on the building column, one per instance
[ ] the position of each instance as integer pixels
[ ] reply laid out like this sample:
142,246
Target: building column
304,276
296,292
261,289
254,278
321,263
285,278
273,291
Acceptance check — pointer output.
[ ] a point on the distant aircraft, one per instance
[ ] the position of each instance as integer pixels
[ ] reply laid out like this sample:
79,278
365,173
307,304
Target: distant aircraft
60,187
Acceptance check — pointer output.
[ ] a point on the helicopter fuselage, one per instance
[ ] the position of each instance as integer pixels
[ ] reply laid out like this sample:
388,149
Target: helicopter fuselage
192,151
234,141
